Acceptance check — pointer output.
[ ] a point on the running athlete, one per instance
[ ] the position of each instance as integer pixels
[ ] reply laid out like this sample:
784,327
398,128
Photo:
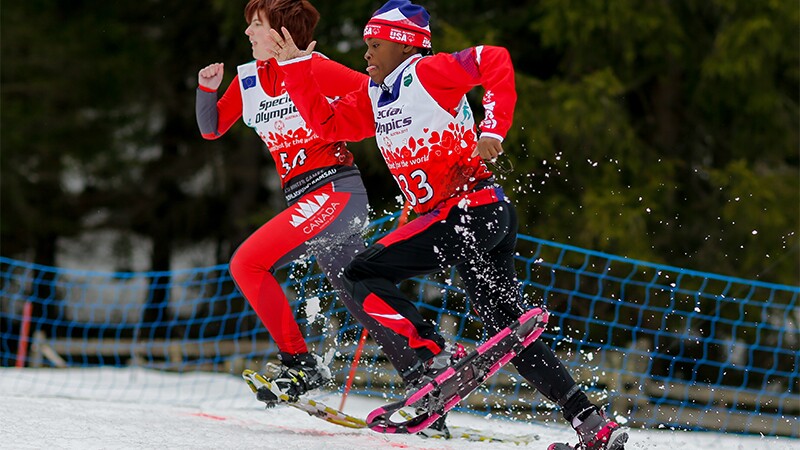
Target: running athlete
415,106
327,201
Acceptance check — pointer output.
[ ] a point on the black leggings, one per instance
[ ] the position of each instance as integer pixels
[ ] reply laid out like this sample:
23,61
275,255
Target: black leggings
479,241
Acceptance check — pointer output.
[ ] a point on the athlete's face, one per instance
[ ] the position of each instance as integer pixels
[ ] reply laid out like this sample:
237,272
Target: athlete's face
260,39
384,56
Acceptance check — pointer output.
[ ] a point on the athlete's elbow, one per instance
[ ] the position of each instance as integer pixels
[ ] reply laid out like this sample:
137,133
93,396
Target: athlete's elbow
326,130
210,136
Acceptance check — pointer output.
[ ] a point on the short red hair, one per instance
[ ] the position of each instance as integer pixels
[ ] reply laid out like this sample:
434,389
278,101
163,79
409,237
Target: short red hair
298,16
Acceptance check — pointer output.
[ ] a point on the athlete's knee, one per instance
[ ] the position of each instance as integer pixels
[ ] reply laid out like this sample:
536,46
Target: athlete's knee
236,266
354,276
353,280
348,283
361,267
246,267
351,273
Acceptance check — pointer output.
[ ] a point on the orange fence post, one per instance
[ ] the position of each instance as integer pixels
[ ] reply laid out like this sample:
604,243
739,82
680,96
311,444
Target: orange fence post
24,333
357,356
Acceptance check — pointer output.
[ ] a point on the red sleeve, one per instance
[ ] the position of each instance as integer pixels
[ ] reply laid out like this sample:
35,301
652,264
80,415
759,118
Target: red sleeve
229,109
349,118
334,79
447,77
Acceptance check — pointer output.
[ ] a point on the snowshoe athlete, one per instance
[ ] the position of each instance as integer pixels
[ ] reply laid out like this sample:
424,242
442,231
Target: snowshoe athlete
415,106
323,188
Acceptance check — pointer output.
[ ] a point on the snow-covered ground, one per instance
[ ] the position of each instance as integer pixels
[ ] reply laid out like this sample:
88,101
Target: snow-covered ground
134,408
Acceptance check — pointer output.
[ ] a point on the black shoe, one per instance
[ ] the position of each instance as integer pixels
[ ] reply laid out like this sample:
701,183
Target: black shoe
297,375
437,429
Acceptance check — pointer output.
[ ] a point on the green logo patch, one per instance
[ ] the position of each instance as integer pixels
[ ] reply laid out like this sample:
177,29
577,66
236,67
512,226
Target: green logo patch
407,80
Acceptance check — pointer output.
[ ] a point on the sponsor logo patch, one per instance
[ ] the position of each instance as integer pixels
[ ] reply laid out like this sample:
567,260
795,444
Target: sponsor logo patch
305,209
314,213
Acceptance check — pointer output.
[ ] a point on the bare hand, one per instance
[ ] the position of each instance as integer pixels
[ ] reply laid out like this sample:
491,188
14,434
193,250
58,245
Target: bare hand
489,148
285,48
210,76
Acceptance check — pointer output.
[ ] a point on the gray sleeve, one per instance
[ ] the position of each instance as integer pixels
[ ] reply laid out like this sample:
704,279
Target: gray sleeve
206,112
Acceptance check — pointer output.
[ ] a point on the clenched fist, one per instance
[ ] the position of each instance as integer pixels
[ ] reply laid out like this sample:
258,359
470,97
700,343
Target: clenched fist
210,76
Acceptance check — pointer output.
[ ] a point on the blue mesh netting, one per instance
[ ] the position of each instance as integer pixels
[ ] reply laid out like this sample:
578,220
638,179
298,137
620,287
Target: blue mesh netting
660,345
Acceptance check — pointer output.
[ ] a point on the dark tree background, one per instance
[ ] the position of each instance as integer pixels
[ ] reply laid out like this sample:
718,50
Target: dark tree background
663,131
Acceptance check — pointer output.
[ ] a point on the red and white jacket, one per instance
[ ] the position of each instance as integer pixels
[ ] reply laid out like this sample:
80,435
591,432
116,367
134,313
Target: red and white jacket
257,94
420,116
